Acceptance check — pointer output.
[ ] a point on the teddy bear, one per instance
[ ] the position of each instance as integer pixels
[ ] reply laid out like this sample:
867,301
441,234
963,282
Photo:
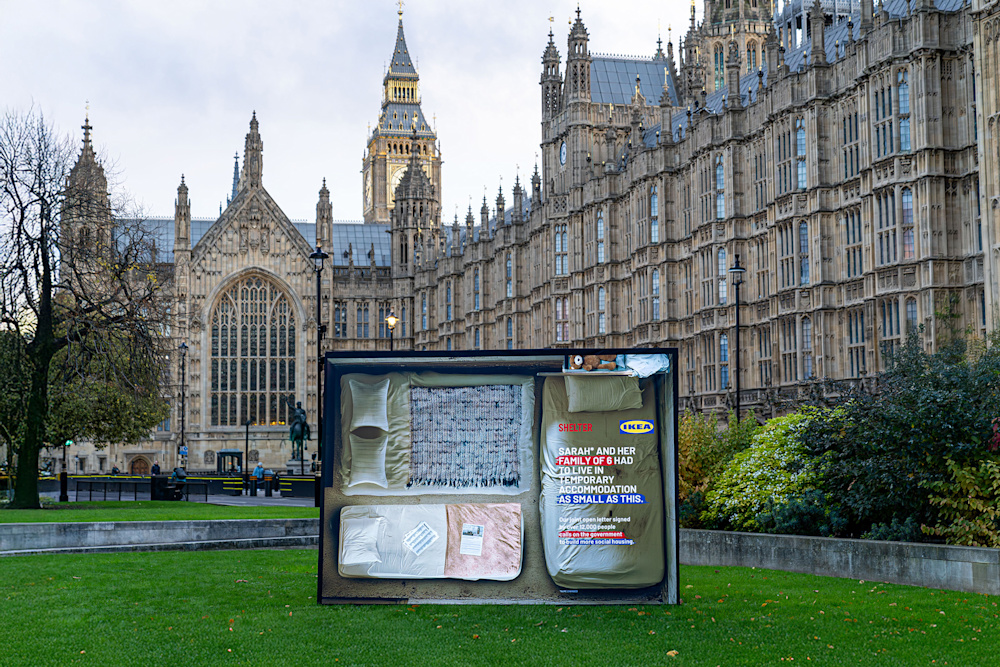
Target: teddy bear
589,362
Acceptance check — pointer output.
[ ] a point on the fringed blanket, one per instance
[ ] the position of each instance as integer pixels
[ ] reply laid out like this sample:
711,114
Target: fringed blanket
465,436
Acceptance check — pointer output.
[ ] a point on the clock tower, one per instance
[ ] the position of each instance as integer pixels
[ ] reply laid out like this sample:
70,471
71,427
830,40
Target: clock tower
402,128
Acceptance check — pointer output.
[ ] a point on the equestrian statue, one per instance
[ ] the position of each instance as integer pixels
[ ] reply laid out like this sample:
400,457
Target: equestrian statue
298,429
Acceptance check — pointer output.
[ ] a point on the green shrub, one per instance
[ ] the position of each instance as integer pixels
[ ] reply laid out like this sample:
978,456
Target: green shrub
808,513
968,504
774,468
881,452
704,448
704,451
895,531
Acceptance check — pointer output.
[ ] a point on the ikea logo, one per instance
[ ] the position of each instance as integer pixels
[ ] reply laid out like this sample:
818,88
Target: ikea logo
635,426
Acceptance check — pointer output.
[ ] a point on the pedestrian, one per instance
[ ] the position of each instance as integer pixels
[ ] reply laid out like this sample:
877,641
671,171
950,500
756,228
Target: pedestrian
115,470
258,477
155,470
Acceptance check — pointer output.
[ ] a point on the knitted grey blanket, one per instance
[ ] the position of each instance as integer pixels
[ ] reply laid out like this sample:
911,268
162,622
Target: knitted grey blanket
465,436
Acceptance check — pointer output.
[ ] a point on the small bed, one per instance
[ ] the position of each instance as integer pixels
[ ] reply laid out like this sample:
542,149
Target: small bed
415,433
468,541
602,522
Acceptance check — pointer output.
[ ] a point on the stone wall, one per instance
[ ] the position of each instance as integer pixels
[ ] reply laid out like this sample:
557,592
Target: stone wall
970,569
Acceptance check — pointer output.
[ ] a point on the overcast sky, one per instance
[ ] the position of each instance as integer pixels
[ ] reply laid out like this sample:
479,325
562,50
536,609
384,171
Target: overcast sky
171,86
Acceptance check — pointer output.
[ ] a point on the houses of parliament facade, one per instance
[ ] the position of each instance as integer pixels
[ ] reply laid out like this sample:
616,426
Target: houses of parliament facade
846,154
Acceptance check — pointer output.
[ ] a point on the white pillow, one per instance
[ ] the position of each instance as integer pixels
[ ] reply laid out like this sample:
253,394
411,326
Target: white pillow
595,393
368,460
359,541
370,404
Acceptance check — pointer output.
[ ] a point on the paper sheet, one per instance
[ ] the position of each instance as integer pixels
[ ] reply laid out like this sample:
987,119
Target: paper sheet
420,538
472,539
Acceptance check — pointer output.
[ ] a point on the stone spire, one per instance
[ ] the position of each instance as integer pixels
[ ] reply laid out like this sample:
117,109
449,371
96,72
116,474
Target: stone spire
517,216
484,217
456,236
415,184
253,157
87,208
182,218
578,62
733,98
771,53
324,216
236,178
551,80
501,206
536,187
817,54
470,221
666,112
87,174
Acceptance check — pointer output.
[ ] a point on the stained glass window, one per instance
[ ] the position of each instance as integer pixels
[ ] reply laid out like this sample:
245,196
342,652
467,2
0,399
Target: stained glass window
253,354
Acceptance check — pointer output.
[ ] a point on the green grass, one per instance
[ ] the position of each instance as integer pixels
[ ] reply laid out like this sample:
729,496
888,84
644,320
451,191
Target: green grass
150,510
257,607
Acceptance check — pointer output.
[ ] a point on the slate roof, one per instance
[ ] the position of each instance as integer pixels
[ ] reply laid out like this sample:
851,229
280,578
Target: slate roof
358,236
612,79
798,58
401,63
400,126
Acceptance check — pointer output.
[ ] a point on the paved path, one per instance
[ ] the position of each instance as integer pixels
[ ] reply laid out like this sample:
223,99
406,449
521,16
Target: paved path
254,501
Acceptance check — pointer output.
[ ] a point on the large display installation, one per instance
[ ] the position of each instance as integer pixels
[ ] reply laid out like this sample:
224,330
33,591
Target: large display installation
500,476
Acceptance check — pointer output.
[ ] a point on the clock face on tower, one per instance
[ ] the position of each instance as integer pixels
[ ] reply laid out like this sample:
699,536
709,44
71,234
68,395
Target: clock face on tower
562,153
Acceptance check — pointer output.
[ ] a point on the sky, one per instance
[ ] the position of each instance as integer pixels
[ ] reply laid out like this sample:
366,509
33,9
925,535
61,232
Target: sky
170,86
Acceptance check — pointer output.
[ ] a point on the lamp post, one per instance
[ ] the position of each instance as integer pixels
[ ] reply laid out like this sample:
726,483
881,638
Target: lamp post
737,272
64,475
246,458
317,258
391,321
182,448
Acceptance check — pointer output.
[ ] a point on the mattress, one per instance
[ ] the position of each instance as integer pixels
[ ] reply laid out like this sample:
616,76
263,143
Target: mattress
468,541
438,433
602,520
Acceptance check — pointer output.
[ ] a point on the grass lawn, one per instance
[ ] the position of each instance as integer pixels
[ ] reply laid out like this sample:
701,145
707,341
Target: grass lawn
257,607
150,510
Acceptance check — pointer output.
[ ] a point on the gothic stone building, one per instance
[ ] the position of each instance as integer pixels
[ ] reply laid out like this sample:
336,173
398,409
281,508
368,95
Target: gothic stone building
847,154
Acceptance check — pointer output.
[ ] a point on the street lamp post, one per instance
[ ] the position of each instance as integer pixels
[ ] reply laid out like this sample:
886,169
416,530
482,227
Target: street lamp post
246,458
64,476
737,272
318,257
182,448
391,321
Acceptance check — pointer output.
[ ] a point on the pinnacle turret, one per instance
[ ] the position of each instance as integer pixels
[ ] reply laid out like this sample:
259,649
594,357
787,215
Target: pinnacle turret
253,157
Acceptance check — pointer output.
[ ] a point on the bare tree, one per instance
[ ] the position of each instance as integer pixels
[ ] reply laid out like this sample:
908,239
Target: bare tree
82,308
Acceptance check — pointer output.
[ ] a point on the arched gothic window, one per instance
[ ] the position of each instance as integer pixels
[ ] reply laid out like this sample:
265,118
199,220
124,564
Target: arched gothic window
601,316
655,290
803,253
510,277
654,215
720,188
723,273
253,354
